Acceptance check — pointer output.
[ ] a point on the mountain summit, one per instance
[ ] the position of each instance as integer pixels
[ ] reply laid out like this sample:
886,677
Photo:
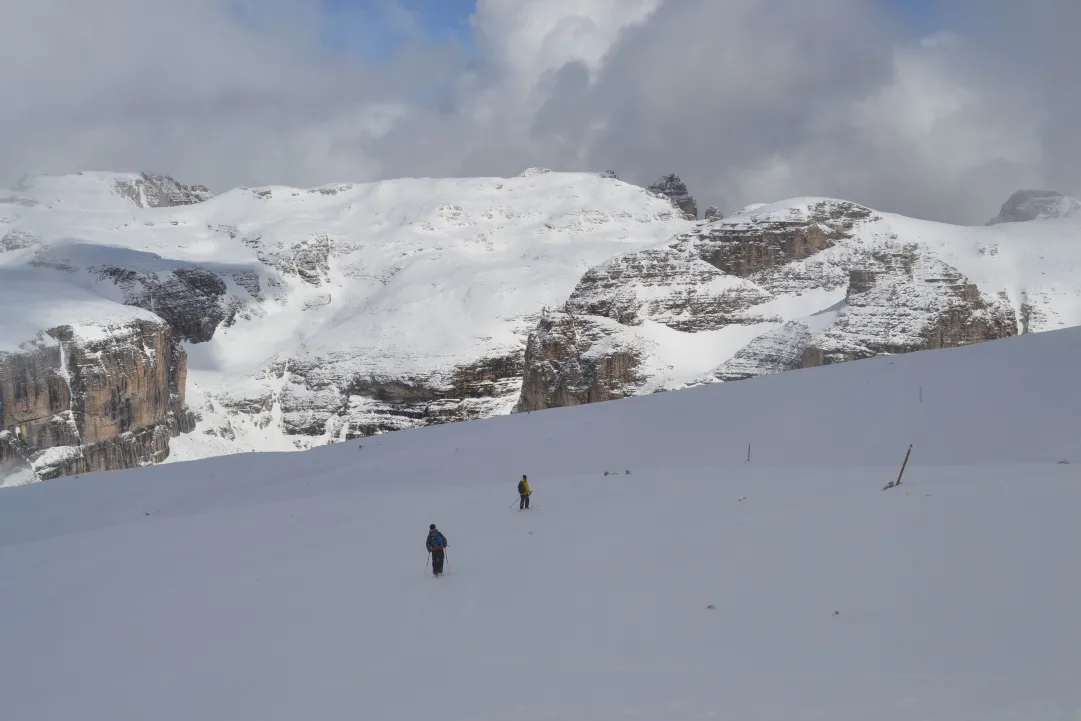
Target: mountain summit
1026,205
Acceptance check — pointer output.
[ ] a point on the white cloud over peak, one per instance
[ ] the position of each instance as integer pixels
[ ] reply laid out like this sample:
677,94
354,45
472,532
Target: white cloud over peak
748,100
528,38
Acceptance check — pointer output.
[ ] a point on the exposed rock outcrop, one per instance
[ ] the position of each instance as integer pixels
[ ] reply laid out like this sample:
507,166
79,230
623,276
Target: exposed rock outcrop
191,300
156,190
724,274
907,301
14,462
18,240
196,300
72,404
900,301
781,349
307,258
713,213
671,187
571,360
1026,205
670,285
764,242
329,397
747,270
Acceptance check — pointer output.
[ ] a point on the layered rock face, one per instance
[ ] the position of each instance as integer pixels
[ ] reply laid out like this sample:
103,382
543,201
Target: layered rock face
759,246
726,273
900,301
754,270
571,360
781,349
69,404
329,397
904,302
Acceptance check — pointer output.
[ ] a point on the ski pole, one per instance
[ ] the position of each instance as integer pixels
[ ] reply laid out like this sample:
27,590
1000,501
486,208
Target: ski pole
517,501
426,563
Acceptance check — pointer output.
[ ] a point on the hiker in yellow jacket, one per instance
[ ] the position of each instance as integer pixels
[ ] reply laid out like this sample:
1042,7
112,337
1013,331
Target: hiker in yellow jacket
524,492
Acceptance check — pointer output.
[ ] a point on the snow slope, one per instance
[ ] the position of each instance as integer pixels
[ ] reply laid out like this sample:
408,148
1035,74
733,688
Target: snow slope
34,300
288,586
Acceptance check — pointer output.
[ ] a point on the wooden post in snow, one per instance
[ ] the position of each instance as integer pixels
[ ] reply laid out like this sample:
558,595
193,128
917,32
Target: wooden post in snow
748,452
907,454
892,484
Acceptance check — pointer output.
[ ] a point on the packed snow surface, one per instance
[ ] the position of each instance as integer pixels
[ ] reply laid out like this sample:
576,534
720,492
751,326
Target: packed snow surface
293,586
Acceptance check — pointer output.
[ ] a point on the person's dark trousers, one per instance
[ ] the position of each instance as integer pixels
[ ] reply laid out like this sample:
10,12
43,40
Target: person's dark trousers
437,561
524,503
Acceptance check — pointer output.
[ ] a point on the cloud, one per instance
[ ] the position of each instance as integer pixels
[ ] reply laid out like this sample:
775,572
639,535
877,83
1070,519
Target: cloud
1026,57
233,92
524,40
925,143
748,100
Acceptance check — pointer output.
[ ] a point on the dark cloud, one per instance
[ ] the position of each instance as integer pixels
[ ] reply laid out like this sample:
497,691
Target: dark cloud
1027,54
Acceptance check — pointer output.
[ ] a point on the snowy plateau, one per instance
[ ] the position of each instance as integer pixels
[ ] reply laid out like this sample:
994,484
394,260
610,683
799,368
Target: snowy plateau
145,320
658,576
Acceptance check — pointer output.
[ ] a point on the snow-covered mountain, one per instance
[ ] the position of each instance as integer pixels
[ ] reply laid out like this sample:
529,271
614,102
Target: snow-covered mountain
287,318
799,283
658,576
1025,205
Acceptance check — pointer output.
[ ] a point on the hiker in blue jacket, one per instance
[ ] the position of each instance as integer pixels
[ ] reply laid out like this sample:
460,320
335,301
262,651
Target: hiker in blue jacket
436,544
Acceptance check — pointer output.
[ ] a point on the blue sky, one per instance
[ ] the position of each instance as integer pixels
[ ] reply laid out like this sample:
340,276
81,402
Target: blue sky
366,27
920,16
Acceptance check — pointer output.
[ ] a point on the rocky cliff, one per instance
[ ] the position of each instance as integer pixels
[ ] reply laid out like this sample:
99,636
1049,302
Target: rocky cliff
571,360
73,402
726,272
812,282
904,301
899,301
675,190
327,397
